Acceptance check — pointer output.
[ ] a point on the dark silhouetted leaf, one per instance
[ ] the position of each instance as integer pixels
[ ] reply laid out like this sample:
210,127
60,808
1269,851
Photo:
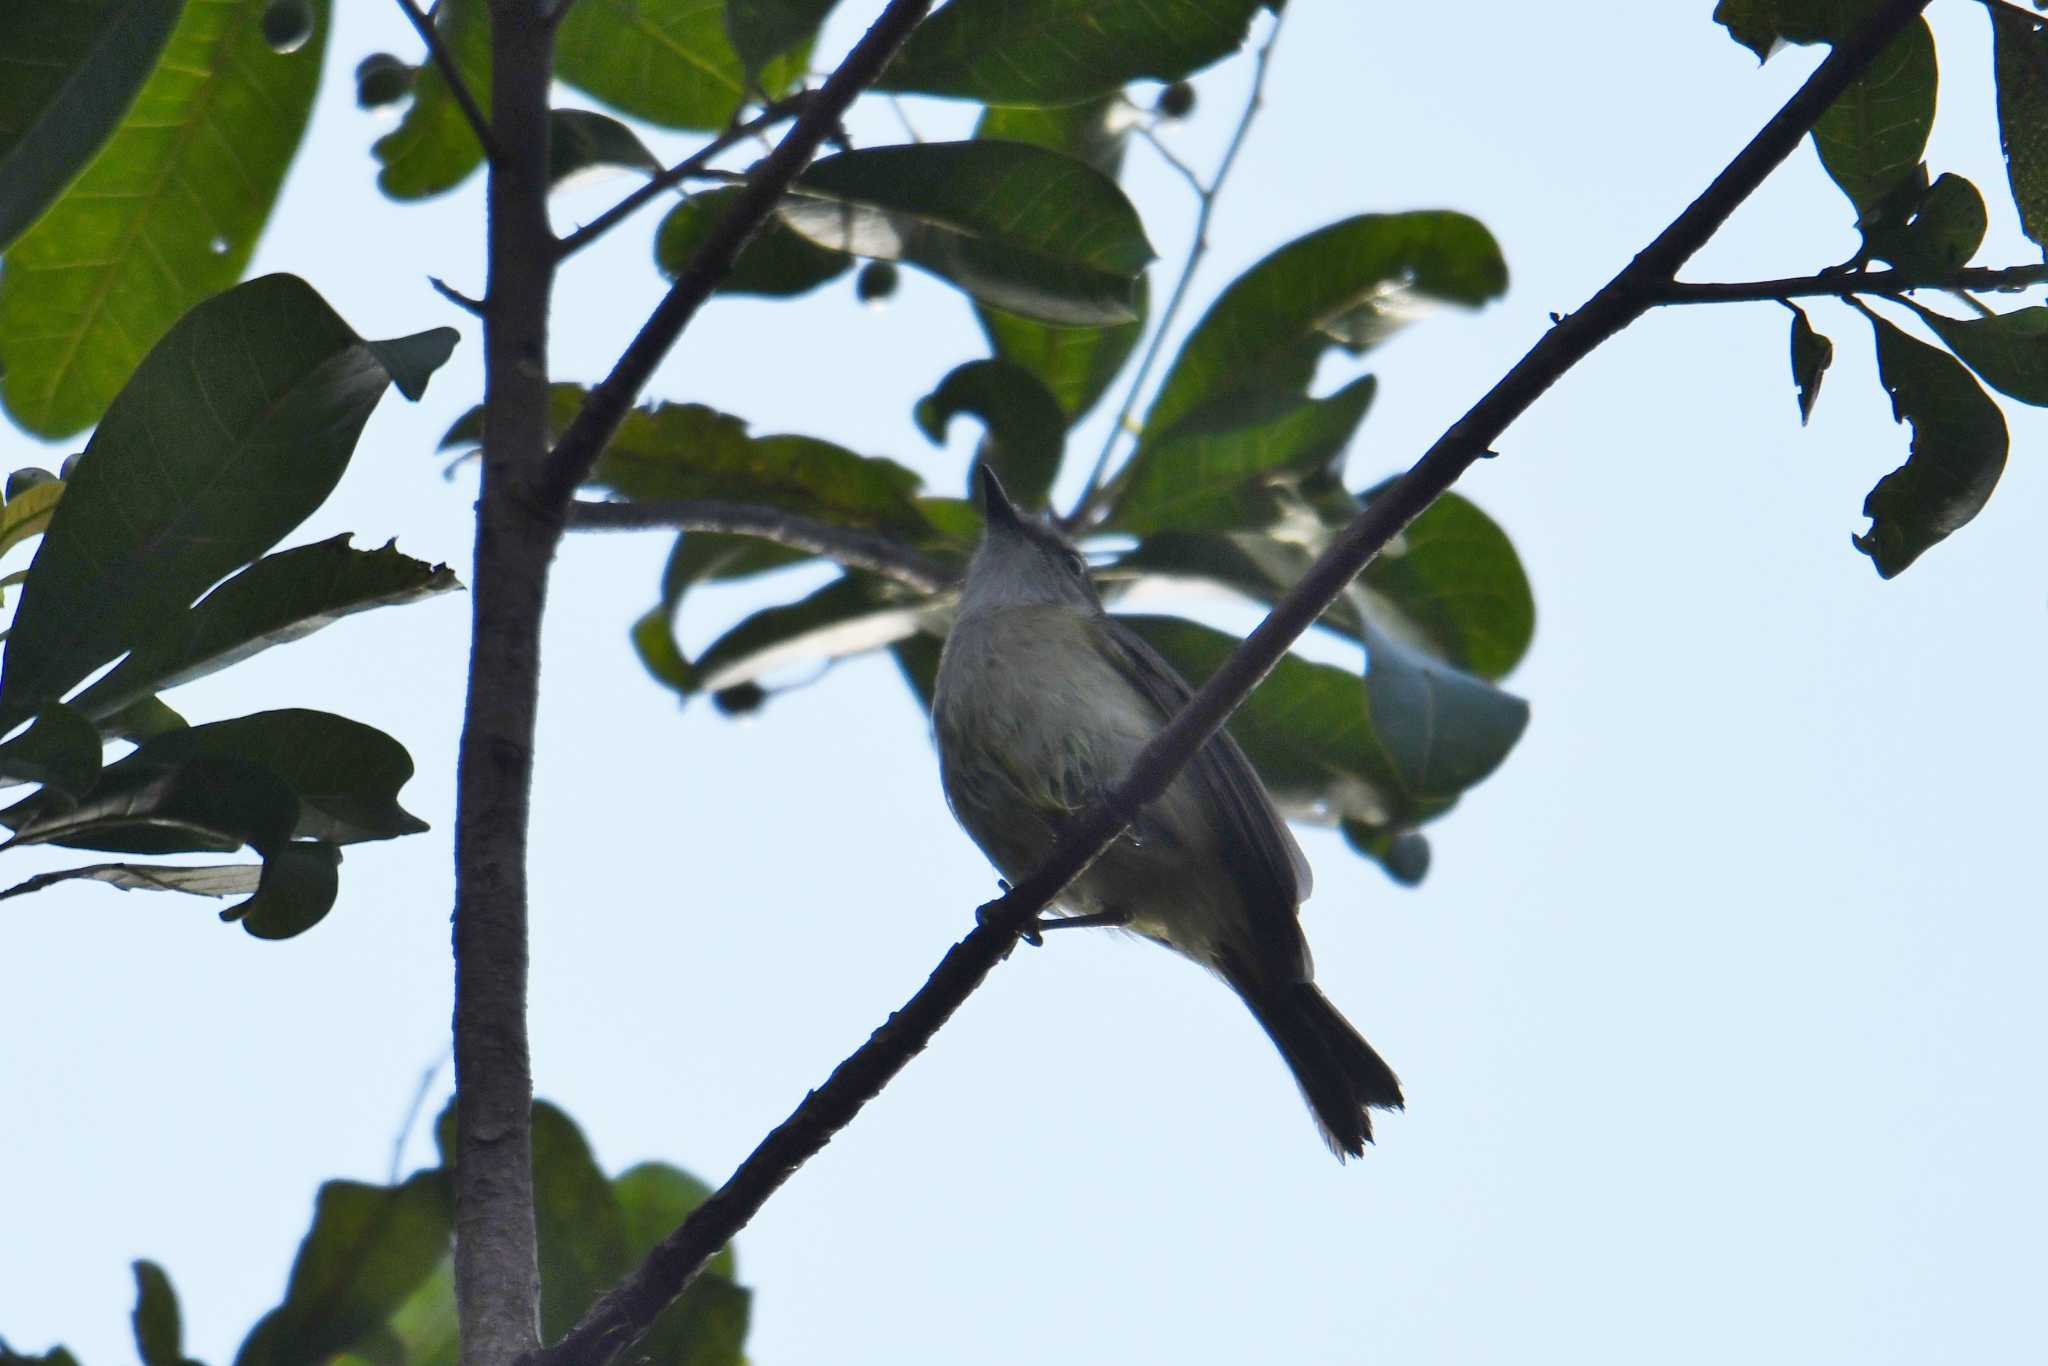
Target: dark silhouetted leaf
1345,285
762,30
278,599
1045,52
1204,475
67,75
1936,230
159,1331
669,63
434,149
1019,227
234,429
1752,23
213,879
61,749
2020,43
1959,445
918,658
122,254
1872,137
1811,355
1026,430
581,140
295,892
1440,730
778,263
210,805
369,1248
1404,854
2008,351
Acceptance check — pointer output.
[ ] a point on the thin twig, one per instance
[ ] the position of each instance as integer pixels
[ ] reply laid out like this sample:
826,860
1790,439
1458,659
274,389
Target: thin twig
412,1115
1843,284
456,296
625,1313
438,52
856,549
606,406
1196,251
688,167
1172,159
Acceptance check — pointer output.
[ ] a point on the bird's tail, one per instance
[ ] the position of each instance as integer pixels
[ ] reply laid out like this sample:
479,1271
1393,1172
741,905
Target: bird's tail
1339,1073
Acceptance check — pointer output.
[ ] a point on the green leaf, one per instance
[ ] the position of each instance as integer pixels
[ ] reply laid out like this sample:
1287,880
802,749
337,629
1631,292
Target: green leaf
581,140
849,616
1327,753
111,266
1025,229
1345,285
707,1325
159,1331
670,62
686,450
345,775
1958,451
1931,229
213,879
56,1356
369,1248
234,429
1403,853
1440,730
1095,131
67,75
1872,137
2020,58
280,598
1026,430
434,149
762,30
778,263
61,750
1206,476
211,805
917,657
2008,351
582,1229
1045,52
294,893
698,556
1752,23
1811,355
28,513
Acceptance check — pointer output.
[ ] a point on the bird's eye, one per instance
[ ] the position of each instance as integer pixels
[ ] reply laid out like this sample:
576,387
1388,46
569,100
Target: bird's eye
1077,566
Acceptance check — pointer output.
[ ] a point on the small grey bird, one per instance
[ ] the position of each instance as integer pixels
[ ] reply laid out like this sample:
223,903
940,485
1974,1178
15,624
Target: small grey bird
1043,701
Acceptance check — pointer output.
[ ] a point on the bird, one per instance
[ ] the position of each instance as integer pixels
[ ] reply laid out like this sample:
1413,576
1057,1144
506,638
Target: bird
1042,702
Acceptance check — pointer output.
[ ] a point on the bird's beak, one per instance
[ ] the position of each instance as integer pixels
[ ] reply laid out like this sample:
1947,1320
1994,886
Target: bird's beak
995,504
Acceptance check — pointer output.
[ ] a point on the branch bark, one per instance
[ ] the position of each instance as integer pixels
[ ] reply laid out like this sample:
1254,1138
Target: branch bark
859,549
1842,284
627,1311
497,1276
606,407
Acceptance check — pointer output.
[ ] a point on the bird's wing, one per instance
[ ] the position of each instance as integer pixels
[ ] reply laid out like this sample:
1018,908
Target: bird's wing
1264,859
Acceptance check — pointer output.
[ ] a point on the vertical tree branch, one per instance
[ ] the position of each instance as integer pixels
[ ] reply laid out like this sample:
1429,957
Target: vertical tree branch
497,1277
628,1311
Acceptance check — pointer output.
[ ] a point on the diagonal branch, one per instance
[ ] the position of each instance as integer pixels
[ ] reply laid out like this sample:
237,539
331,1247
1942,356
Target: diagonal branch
1843,283
438,52
627,1311
606,407
681,171
857,549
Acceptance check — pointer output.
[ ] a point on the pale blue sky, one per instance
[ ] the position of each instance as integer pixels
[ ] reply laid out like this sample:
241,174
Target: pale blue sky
1719,1013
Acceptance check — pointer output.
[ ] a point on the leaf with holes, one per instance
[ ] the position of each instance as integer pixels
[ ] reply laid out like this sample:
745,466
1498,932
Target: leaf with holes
167,214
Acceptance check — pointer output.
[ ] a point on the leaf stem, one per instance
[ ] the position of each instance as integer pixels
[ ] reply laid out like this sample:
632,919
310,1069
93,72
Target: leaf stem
438,53
626,1312
1198,248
